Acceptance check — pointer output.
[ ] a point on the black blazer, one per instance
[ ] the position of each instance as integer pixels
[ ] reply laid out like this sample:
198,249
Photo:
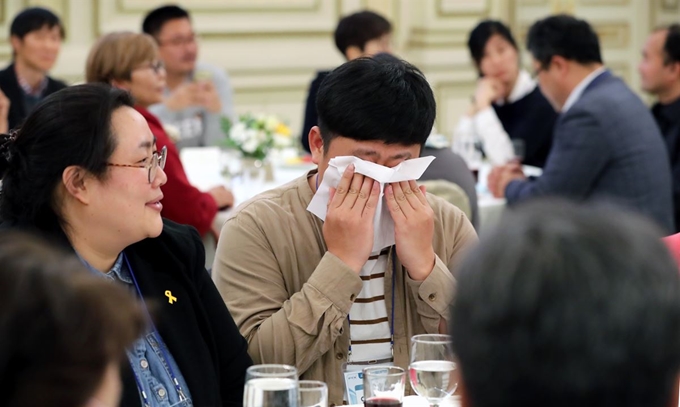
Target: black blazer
197,329
10,87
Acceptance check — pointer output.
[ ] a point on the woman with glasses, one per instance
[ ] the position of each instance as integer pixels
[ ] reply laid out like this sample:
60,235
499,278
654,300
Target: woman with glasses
85,170
130,61
507,104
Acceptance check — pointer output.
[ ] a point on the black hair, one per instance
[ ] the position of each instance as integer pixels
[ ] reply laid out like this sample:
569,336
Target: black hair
69,127
567,305
481,34
565,36
359,28
156,18
34,19
380,98
671,47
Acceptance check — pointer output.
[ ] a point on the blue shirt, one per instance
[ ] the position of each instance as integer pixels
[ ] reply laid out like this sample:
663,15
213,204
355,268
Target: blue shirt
148,362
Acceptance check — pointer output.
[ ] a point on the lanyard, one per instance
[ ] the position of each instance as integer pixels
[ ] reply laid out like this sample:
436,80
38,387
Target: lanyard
161,345
394,279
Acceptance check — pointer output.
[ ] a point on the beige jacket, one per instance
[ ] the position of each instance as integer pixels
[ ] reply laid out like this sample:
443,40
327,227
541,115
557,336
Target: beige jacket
290,297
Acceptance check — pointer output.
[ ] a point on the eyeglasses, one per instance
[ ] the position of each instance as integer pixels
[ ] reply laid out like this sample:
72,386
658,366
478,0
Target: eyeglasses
178,41
156,66
157,160
538,70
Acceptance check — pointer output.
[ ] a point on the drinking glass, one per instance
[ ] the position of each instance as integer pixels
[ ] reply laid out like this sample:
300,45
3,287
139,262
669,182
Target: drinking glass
271,386
384,386
518,149
313,393
432,371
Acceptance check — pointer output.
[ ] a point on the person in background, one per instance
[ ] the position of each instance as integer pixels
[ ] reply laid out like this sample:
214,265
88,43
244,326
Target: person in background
196,95
660,76
292,281
130,61
361,34
63,331
606,145
507,104
84,170
35,34
568,305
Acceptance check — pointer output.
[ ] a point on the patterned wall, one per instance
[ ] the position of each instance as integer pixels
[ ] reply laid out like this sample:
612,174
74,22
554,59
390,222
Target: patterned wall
272,48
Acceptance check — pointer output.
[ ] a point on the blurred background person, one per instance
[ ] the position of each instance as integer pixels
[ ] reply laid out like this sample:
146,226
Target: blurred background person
660,76
131,61
361,34
507,104
36,35
196,94
63,331
606,145
85,170
584,310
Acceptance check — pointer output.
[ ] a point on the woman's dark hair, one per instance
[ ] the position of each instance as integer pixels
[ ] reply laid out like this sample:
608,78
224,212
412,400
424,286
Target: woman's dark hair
381,98
69,127
481,34
60,326
359,28
565,36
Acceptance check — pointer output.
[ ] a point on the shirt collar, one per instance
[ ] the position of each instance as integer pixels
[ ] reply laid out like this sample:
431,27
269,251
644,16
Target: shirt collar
117,272
523,86
29,90
575,94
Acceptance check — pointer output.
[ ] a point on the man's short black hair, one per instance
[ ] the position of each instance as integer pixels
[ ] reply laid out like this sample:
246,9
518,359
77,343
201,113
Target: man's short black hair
381,98
359,28
34,19
481,34
565,36
567,305
671,47
156,19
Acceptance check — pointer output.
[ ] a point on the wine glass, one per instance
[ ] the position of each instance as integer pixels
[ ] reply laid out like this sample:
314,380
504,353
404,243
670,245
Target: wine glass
313,393
384,386
432,371
271,386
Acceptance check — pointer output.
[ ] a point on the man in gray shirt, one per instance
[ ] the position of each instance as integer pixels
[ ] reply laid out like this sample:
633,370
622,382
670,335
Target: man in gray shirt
197,95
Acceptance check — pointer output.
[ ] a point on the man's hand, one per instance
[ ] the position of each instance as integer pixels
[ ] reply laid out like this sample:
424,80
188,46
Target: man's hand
348,228
185,95
413,227
4,113
501,176
223,197
208,98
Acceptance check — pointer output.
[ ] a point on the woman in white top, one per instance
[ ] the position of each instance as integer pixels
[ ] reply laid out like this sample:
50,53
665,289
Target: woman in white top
507,104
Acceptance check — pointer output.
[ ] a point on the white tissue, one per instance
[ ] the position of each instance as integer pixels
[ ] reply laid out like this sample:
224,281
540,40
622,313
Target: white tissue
383,225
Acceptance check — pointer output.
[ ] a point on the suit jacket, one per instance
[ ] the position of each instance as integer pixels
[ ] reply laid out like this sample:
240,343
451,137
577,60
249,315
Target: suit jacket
11,88
606,147
197,329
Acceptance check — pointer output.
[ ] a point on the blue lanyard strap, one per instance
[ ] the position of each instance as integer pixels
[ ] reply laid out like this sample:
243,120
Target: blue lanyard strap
393,258
161,344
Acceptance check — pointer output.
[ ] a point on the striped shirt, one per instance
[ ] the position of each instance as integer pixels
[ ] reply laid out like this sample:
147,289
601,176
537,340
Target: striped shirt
370,333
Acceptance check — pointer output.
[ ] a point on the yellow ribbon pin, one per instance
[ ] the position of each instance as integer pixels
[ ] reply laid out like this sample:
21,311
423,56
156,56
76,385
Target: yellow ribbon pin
171,298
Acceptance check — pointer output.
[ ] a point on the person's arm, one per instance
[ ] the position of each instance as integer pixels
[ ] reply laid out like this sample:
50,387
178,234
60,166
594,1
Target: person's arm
182,202
232,357
280,328
213,121
495,140
577,158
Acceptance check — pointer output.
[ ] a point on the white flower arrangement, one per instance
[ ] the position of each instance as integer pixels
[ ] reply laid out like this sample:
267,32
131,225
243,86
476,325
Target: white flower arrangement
255,135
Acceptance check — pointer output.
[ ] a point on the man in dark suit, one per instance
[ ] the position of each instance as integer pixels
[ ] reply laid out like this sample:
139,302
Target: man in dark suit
660,76
36,35
357,35
606,144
